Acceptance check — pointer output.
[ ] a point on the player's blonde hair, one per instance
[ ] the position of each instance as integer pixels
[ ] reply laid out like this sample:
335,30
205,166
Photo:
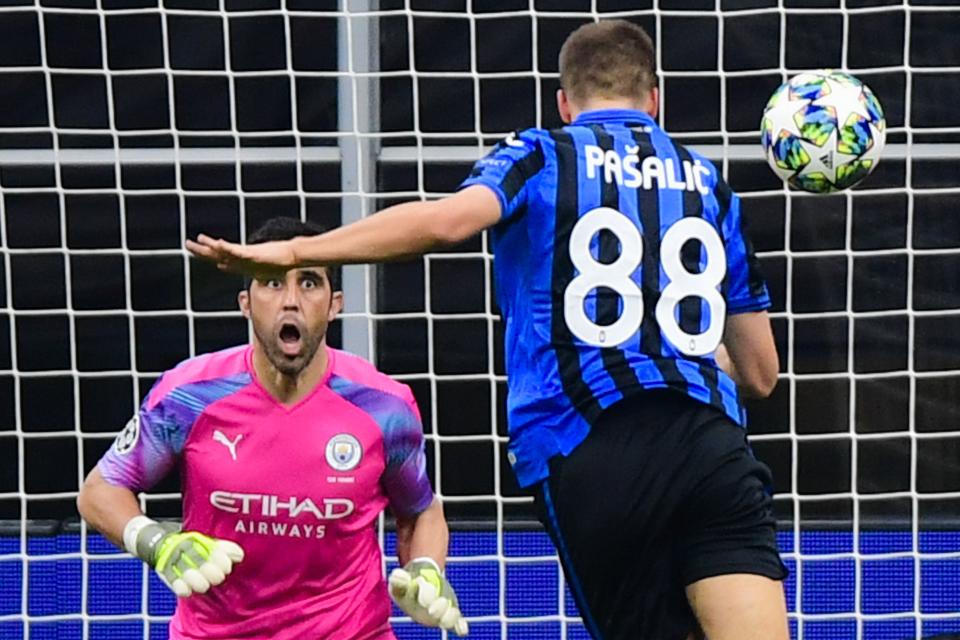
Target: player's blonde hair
608,59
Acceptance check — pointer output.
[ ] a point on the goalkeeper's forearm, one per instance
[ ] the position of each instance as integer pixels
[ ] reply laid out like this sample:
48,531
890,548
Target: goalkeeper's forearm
106,507
424,535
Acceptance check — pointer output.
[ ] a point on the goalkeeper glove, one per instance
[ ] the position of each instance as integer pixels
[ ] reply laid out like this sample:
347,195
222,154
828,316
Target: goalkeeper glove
187,561
421,591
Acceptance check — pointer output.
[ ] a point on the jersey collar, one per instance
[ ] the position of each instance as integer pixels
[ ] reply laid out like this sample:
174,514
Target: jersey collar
601,116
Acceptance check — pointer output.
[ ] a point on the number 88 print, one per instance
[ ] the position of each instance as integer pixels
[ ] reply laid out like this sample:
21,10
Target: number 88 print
617,276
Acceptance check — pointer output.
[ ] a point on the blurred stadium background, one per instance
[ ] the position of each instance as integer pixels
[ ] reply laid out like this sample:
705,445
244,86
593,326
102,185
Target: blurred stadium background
126,125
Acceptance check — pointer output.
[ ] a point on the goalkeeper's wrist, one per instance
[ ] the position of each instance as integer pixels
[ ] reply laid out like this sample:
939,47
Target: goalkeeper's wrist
427,560
142,537
132,530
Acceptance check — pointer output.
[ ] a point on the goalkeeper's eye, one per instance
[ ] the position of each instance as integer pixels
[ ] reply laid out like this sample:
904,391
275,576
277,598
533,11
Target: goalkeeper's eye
311,279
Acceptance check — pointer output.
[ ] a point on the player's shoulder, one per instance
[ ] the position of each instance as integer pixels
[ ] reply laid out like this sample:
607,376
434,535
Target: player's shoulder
713,177
692,156
523,141
530,133
360,372
227,365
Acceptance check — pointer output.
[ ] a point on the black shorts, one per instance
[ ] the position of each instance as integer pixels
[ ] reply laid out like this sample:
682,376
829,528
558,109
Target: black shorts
663,492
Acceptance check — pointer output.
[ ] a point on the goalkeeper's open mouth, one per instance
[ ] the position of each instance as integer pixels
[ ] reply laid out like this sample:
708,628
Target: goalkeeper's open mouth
291,339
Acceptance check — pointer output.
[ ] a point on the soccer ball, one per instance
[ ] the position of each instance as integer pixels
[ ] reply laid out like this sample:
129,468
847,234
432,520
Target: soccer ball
823,131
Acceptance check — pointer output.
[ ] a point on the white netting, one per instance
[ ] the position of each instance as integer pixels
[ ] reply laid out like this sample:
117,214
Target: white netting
127,124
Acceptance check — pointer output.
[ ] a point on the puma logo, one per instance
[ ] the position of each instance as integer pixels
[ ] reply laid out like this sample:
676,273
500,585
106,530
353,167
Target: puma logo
513,141
232,446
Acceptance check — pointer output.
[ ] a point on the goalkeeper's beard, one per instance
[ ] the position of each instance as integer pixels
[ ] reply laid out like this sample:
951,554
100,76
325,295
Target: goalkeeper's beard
270,341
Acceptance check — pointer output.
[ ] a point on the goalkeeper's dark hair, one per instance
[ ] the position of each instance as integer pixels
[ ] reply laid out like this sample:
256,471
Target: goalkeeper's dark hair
608,59
285,228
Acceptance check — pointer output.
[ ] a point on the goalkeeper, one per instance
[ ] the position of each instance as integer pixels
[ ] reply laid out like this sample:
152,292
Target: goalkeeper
289,450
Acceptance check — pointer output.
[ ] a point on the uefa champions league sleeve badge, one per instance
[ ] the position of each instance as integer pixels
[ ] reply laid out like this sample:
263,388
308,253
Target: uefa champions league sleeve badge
128,437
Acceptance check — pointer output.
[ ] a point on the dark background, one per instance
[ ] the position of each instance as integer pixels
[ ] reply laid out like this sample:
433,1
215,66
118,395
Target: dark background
103,241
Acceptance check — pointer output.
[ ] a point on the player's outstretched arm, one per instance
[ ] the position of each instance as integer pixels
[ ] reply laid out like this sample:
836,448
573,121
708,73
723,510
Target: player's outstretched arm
420,588
749,354
400,231
188,562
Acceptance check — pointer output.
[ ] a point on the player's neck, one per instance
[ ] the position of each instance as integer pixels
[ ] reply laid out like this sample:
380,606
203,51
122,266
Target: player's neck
290,389
647,105
598,104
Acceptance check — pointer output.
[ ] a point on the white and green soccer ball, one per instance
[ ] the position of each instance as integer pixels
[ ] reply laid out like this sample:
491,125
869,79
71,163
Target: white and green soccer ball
823,131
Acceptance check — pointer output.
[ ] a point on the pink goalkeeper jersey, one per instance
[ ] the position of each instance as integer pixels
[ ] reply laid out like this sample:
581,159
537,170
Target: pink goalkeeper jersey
299,488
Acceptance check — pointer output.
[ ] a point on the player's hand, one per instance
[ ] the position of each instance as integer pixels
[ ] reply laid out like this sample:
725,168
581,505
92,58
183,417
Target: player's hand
421,591
248,259
187,561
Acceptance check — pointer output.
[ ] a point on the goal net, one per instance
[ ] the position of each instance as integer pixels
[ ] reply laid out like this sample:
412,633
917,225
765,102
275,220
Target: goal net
126,125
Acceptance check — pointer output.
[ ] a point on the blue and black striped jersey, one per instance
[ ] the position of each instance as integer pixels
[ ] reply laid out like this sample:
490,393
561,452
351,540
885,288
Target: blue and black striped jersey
618,257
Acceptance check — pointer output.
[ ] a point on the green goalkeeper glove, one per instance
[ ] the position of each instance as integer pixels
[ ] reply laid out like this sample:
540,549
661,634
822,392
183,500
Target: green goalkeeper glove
421,591
187,561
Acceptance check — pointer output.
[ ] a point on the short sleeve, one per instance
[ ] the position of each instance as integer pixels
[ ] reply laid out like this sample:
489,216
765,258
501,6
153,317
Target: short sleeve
745,288
405,479
145,450
510,170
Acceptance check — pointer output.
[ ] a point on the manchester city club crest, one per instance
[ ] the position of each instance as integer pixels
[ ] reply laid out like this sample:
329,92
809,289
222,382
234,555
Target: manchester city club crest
344,452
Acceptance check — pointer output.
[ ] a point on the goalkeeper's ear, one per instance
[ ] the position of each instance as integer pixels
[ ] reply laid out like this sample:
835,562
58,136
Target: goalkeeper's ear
336,305
243,301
